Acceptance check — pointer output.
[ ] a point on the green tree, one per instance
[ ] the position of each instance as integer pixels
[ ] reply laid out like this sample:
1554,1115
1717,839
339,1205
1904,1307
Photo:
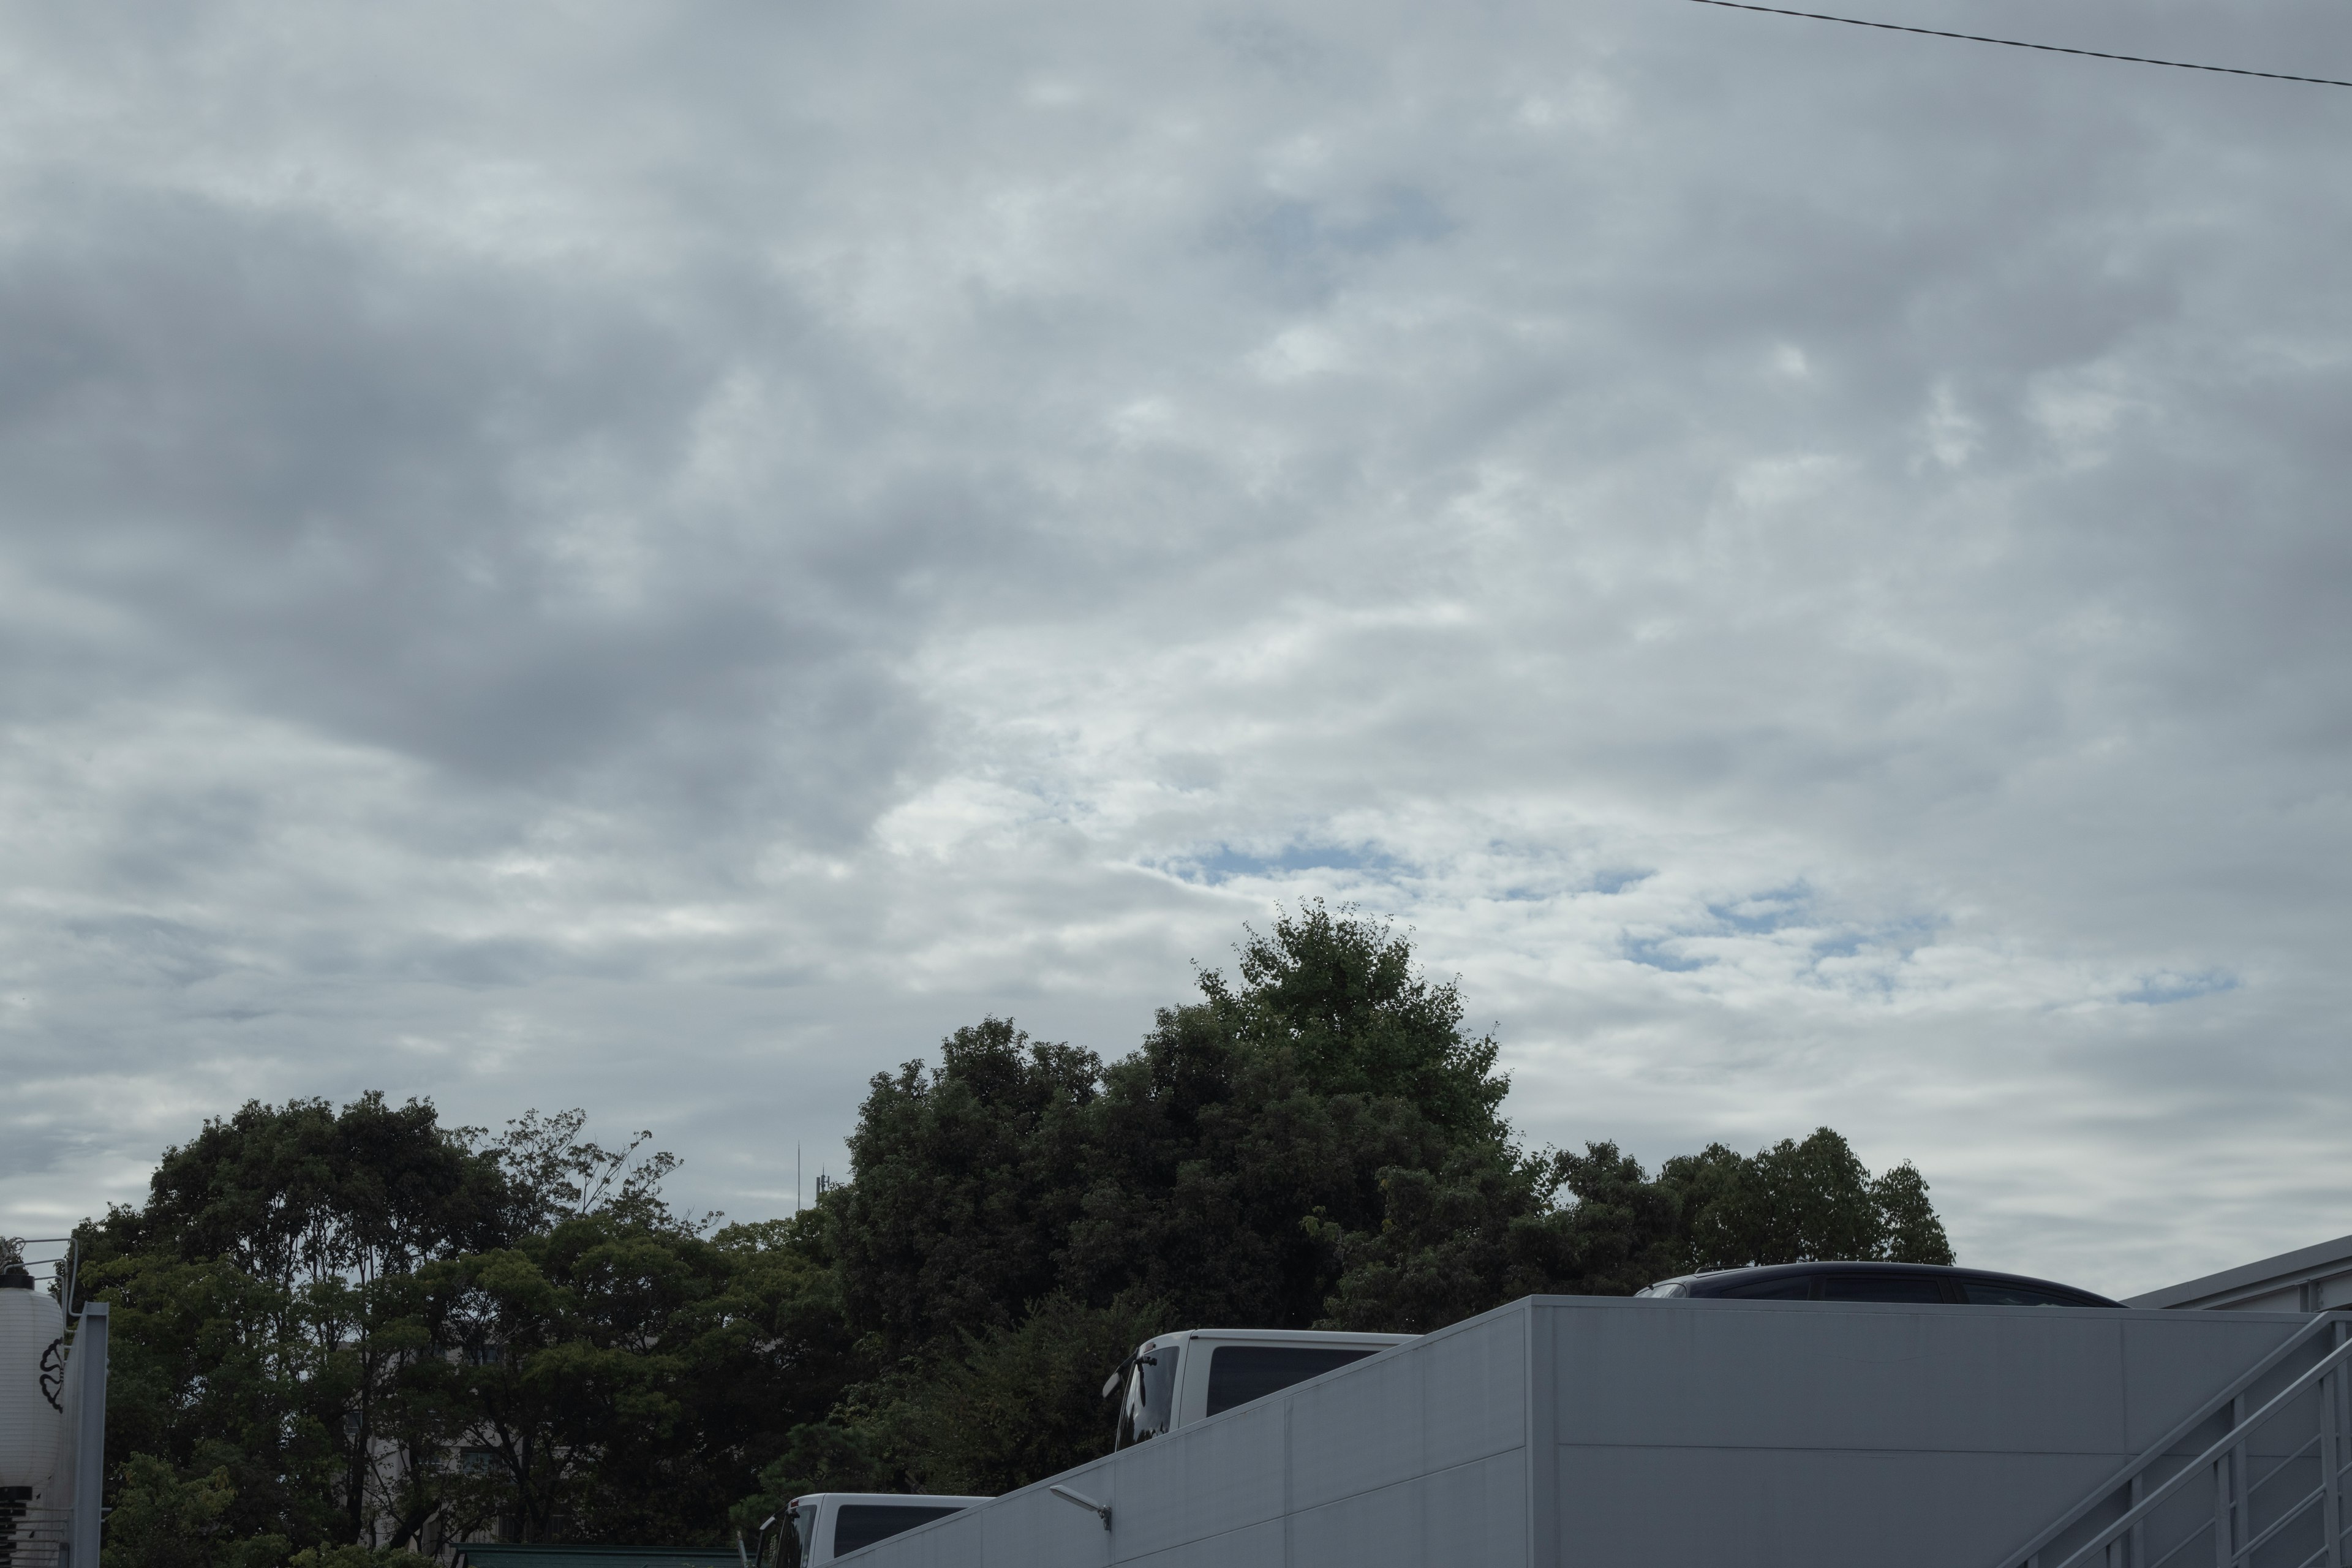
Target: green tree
325,1308
1228,1175
265,1316
1026,1402
1450,1244
625,1379
161,1521
334,1326
1797,1200
1217,1172
1910,1231
966,1181
1493,1226
1216,1168
1342,995
1013,1405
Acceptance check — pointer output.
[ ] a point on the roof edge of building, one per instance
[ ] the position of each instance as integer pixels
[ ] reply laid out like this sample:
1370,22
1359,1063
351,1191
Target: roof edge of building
2320,1260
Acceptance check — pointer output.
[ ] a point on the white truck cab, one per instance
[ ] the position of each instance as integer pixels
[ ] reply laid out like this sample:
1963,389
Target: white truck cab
833,1525
1174,1380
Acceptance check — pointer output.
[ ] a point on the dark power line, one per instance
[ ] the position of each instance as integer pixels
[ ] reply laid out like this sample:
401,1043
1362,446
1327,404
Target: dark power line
2021,44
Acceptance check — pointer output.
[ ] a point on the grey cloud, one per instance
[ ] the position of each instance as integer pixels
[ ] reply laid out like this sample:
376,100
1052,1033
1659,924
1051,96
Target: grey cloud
259,439
665,561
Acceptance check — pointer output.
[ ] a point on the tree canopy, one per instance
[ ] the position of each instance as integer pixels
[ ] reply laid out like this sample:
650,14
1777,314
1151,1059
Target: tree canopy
343,1332
1315,1142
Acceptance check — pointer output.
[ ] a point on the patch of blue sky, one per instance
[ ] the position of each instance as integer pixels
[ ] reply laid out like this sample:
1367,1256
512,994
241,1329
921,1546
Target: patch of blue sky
1760,913
1882,983
1606,883
1901,938
1541,872
1225,862
1655,953
1292,233
2159,990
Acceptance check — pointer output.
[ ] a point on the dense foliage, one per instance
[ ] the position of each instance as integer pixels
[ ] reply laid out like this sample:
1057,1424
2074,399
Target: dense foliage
341,1333
363,1330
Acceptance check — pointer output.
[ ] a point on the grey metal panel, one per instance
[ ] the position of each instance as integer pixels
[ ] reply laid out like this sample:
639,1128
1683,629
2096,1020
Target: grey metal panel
1028,1529
1173,1489
1352,1462
1351,1434
1657,1432
1747,1507
1259,1546
1824,1374
1539,1460
2287,1298
2326,1258
2172,1361
1831,1433
1457,1396
1477,1376
1474,1514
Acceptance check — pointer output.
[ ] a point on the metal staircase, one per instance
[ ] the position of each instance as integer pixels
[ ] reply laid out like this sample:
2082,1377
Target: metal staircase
2267,1492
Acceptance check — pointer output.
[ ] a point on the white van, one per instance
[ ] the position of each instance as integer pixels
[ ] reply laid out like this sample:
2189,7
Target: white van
832,1524
1176,1379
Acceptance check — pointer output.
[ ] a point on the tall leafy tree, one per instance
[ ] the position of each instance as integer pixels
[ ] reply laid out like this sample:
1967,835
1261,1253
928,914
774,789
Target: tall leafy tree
1215,1168
337,1325
263,1320
1799,1200
1229,1174
1343,996
967,1179
1216,1173
625,1379
1490,1228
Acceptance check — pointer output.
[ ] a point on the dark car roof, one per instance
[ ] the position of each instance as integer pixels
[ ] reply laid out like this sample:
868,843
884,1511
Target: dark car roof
1699,1283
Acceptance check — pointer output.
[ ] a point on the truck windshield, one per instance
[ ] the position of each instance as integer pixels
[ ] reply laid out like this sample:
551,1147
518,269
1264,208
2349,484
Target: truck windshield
1151,1396
1239,1373
864,1523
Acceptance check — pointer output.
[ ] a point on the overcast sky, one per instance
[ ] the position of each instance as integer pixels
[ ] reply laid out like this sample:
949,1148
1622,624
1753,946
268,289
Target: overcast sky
660,558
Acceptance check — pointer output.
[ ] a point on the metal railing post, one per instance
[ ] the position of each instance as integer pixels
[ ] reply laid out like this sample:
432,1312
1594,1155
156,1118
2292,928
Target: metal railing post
2230,1460
2222,1511
2331,1478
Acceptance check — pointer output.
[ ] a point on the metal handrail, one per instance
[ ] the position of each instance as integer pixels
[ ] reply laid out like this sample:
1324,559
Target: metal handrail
2233,1439
2204,1413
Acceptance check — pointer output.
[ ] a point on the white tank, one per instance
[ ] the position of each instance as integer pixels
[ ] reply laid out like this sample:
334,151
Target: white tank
32,1385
